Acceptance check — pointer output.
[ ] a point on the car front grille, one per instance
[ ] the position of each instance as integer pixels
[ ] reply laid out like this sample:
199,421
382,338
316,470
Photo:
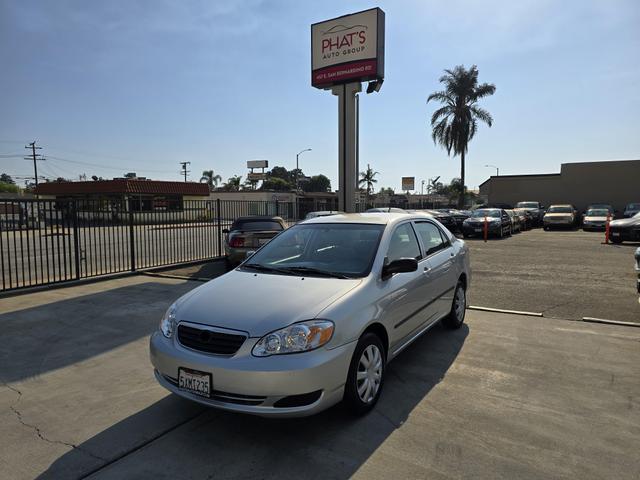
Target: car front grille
209,341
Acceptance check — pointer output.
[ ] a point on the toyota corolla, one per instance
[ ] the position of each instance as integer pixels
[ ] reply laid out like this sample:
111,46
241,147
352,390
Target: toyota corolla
313,317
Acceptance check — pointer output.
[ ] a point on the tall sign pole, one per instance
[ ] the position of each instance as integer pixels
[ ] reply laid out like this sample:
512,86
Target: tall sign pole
346,51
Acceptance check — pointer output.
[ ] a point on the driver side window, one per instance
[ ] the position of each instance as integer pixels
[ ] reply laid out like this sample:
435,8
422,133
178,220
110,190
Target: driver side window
403,244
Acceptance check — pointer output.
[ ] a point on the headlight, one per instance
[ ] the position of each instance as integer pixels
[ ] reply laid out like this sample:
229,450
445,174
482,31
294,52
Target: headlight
168,322
299,337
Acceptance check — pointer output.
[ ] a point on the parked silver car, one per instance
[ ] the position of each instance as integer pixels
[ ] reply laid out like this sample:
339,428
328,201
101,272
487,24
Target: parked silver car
314,316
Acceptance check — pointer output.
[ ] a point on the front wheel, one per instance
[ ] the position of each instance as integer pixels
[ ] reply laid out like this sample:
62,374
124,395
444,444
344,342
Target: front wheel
366,375
615,239
455,319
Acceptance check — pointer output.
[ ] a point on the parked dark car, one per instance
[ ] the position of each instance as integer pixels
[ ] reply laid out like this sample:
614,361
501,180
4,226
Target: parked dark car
526,218
247,234
444,218
498,223
459,216
625,229
536,209
631,209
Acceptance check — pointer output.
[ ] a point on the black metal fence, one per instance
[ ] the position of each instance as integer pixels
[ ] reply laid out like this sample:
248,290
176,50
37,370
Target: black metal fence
50,241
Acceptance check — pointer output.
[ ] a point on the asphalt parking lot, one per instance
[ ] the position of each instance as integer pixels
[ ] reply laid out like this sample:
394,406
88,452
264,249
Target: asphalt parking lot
559,273
506,396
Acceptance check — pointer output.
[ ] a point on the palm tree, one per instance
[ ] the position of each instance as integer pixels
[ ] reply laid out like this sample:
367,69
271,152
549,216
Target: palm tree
454,124
210,179
233,184
368,178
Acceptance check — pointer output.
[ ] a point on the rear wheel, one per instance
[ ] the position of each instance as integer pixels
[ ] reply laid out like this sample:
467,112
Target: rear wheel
366,374
455,319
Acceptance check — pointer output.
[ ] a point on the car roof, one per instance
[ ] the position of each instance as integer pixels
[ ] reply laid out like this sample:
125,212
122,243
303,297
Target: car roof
256,218
379,218
561,205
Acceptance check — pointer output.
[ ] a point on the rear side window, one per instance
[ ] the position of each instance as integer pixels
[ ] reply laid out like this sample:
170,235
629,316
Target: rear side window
257,225
403,244
431,237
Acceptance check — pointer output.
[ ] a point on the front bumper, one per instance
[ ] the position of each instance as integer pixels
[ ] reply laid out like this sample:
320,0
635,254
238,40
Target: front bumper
248,384
472,229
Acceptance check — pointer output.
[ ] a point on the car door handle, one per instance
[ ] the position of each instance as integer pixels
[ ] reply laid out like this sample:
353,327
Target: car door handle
426,270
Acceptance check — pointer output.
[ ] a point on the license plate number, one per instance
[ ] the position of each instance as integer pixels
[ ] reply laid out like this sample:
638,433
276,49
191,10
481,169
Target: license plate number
194,381
478,230
615,234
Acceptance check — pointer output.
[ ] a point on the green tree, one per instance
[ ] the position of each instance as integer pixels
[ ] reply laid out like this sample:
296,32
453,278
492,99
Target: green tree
277,184
6,178
233,184
387,191
368,179
455,123
6,187
317,183
210,178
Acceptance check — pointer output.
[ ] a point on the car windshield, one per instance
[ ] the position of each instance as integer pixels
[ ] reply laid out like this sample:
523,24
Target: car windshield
597,212
560,210
322,249
257,225
633,206
485,212
527,205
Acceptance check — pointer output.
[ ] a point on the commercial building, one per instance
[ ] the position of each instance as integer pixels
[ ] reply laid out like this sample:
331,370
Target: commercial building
580,184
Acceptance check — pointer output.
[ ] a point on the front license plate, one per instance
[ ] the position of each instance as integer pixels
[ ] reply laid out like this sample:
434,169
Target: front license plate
194,381
478,230
615,234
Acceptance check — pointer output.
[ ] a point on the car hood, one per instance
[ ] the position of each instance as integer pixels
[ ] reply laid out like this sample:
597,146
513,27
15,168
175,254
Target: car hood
557,215
625,222
259,303
595,219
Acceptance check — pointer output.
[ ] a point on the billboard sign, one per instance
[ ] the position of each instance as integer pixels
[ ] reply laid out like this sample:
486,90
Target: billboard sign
348,49
258,164
256,177
408,184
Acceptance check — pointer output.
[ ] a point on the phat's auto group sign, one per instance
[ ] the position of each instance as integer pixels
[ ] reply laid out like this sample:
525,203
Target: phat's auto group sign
348,49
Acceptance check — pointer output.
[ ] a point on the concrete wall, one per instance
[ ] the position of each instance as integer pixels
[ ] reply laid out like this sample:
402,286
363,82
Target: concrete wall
616,183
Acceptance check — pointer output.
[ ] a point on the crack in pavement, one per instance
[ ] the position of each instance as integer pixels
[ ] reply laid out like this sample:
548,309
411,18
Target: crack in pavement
39,432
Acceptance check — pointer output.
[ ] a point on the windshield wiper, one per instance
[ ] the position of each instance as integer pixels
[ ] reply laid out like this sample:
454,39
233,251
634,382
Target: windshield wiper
264,268
315,271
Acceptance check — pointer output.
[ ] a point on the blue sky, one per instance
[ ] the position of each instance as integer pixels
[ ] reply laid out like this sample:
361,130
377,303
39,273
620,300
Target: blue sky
143,85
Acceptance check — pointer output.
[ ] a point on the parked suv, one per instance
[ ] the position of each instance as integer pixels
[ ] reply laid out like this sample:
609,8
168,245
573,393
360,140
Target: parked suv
560,216
535,209
247,234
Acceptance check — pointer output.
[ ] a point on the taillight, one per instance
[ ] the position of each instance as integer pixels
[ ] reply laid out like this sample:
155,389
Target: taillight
236,242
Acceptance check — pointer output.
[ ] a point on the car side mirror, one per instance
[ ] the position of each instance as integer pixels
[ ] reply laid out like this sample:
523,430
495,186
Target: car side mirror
402,265
225,230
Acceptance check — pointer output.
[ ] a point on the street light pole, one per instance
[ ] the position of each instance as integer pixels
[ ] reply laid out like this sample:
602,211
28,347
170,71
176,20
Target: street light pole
298,168
497,169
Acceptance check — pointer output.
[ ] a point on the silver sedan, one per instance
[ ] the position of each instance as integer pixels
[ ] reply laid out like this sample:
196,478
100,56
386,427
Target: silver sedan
314,316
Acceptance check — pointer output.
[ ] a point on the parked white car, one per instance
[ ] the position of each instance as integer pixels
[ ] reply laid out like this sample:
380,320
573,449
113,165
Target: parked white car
314,316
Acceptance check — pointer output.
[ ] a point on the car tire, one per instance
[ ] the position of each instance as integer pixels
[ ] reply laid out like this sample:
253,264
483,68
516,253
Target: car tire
369,347
616,240
546,229
501,231
455,319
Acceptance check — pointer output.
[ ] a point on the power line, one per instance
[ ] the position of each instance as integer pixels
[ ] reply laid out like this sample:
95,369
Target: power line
121,169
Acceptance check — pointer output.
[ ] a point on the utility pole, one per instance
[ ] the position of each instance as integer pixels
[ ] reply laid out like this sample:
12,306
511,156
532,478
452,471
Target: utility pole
185,172
34,156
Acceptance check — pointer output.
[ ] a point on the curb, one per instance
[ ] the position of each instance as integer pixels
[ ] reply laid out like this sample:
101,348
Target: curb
500,310
177,277
609,322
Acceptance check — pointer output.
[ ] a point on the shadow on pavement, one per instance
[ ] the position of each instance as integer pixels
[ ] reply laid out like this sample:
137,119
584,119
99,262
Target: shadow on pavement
217,444
54,335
